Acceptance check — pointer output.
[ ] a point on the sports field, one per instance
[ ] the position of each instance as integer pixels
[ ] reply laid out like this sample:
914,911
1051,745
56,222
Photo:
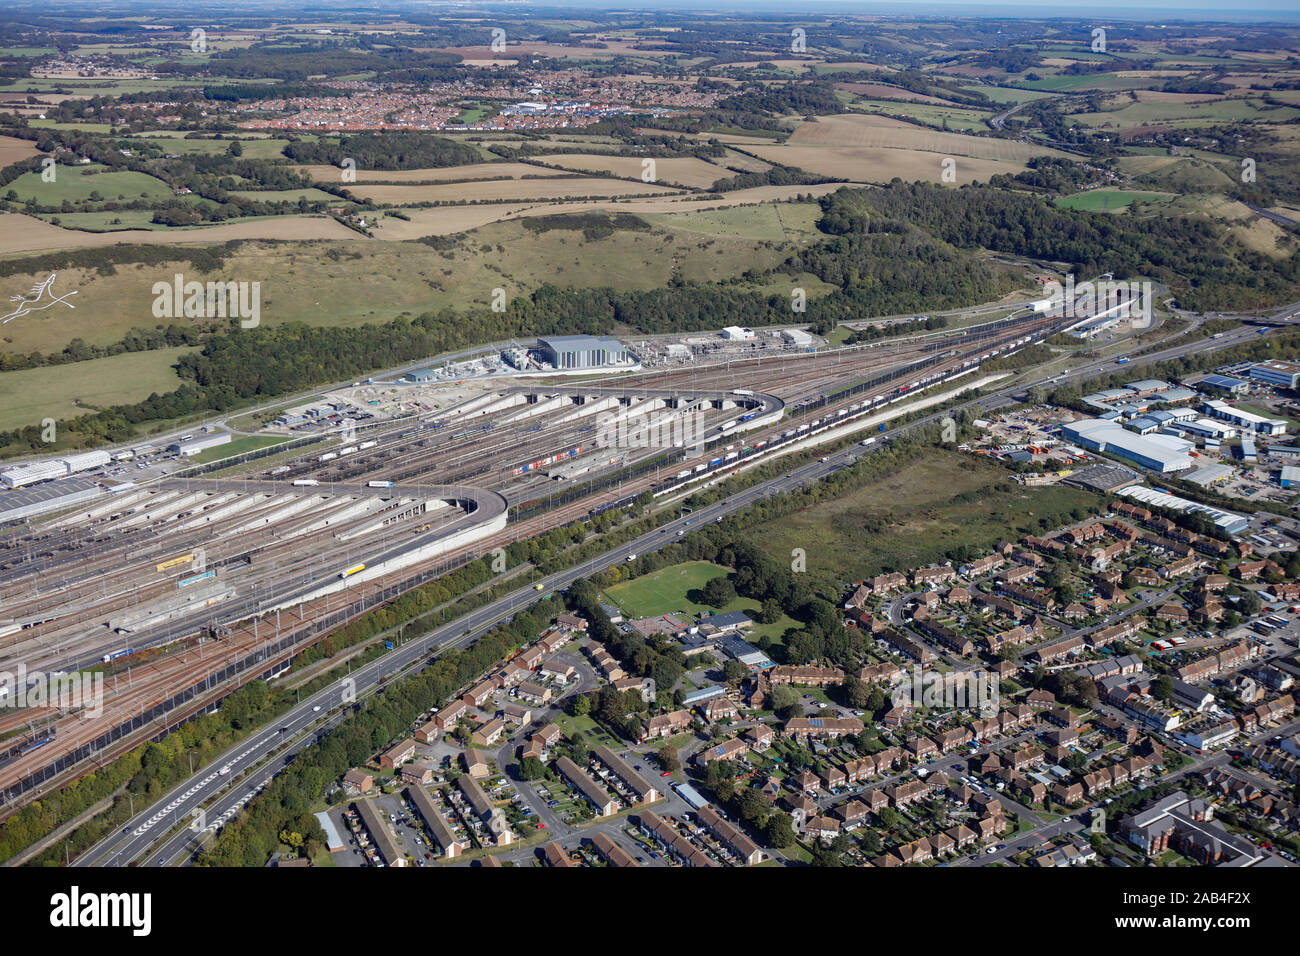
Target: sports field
673,589
668,590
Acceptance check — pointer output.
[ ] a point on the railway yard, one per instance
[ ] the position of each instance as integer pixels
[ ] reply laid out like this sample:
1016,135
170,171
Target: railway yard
180,589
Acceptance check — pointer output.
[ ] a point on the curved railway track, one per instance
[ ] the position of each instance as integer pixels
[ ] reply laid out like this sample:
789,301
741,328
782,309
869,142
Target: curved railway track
791,377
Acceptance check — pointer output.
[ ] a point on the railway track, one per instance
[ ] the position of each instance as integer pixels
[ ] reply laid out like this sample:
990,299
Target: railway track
793,378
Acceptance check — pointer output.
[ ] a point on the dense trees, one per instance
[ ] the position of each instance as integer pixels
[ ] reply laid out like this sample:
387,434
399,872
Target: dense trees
719,591
1198,259
385,150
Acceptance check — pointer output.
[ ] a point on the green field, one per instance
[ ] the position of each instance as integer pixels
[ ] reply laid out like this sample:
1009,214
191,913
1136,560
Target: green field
774,222
666,590
75,127
238,446
1186,114
76,184
1108,200
101,87
253,148
65,391
1088,81
671,589
956,118
910,518
1004,94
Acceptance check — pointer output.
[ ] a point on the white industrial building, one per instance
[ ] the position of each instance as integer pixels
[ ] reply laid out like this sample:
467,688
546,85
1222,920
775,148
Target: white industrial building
1246,421
1208,475
21,475
1229,521
797,337
85,461
736,333
196,446
1276,372
32,472
1162,453
1208,428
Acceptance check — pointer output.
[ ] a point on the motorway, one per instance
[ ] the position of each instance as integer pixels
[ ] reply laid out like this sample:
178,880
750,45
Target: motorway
180,804
234,789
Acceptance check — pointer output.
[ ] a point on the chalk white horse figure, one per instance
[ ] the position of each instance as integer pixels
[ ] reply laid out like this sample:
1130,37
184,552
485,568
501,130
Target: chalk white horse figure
38,294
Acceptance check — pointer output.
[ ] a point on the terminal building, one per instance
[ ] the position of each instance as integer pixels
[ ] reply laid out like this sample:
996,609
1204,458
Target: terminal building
583,351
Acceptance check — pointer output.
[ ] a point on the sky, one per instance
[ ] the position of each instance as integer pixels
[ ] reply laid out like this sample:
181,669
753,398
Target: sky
1156,10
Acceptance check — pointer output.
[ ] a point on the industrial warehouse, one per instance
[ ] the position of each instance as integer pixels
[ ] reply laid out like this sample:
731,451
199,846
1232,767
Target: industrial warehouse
29,474
583,351
1162,453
